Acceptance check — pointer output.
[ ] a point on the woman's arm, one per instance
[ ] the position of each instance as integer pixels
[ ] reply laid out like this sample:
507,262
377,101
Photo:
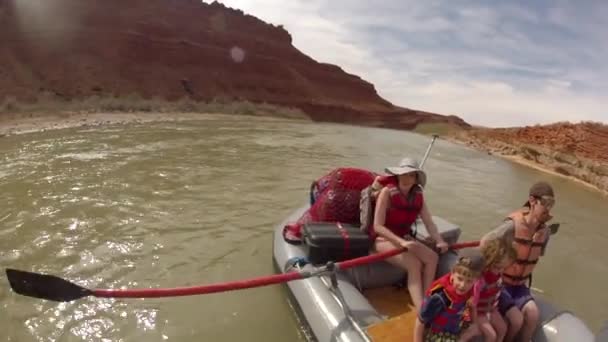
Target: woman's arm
380,218
427,219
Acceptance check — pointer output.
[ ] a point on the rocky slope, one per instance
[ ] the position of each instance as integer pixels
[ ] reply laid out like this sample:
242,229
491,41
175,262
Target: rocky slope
577,150
170,49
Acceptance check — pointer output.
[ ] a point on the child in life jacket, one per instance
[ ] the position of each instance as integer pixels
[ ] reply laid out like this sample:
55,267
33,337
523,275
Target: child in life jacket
498,254
441,317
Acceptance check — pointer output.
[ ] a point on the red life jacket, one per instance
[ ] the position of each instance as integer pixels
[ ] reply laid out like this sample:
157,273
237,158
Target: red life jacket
450,319
490,291
402,211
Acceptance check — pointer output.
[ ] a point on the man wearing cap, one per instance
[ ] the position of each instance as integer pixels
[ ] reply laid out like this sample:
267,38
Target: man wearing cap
526,229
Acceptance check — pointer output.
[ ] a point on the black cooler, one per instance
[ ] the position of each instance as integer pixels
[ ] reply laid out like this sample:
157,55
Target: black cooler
333,241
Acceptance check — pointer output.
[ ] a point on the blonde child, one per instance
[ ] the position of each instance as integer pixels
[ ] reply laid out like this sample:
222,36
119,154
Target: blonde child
498,254
440,318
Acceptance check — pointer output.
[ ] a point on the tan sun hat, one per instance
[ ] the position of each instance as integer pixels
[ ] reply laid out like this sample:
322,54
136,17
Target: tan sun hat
408,165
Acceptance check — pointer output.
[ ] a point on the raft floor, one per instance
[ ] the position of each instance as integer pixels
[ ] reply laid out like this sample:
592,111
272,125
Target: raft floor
395,303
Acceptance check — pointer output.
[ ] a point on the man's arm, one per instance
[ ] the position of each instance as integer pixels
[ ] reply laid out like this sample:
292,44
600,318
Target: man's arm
505,231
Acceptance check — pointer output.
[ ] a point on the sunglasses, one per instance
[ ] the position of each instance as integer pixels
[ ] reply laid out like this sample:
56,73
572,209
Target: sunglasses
546,201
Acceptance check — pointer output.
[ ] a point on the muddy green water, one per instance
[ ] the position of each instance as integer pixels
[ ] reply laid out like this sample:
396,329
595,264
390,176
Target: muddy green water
171,204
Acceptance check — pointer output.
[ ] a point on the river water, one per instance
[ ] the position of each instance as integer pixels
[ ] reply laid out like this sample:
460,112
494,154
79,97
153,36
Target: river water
171,204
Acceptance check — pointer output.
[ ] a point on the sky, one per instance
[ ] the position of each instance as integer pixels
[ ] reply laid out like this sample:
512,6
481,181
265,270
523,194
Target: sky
492,63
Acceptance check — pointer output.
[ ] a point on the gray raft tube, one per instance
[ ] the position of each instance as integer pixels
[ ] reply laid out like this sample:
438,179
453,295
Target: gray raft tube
602,336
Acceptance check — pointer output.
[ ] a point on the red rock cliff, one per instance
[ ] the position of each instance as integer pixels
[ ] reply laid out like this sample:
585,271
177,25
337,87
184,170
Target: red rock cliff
176,48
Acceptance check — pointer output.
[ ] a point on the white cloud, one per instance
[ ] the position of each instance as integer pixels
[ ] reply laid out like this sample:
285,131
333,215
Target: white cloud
499,104
504,65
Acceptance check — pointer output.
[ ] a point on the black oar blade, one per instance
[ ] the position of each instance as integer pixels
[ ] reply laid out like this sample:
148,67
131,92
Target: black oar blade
45,286
554,228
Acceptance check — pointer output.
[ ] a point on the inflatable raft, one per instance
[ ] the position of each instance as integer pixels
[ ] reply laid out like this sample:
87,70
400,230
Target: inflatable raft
368,302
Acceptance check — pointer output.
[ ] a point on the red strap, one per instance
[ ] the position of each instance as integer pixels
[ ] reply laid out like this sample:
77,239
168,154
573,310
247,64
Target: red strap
346,239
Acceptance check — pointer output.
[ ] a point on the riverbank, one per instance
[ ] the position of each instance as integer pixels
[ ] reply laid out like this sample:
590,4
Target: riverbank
591,173
17,118
20,124
578,152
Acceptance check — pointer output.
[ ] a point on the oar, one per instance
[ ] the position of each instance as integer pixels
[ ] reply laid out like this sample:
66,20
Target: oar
54,288
428,150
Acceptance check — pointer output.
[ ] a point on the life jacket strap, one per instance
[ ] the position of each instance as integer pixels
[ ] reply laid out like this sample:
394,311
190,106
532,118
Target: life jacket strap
526,262
527,242
516,278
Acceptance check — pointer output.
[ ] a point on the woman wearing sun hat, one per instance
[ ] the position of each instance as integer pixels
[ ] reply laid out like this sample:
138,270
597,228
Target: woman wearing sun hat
398,205
526,229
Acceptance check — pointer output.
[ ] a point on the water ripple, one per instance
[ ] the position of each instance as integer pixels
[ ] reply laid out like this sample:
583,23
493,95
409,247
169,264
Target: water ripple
165,205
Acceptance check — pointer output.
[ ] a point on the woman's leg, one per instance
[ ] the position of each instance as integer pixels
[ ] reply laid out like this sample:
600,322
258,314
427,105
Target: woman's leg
418,331
408,262
429,259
